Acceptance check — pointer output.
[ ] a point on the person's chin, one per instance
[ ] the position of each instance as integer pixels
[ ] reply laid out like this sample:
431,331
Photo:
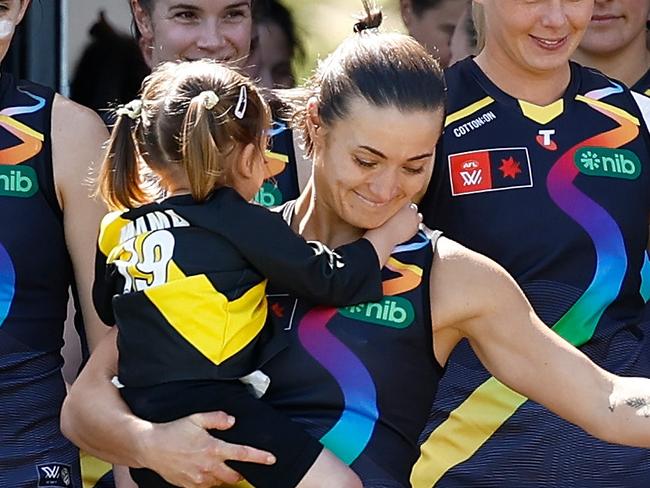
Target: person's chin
367,220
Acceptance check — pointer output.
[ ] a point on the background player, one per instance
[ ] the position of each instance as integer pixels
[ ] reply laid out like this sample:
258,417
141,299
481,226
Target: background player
515,179
432,23
46,248
616,42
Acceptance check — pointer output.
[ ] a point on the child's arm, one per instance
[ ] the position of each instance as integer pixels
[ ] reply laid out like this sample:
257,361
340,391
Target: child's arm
350,275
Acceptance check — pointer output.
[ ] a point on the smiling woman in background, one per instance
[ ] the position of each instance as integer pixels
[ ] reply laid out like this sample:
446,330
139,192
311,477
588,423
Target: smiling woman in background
616,42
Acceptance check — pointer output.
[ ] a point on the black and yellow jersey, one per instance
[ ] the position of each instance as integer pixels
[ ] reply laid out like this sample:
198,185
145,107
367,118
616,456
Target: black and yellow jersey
560,196
185,283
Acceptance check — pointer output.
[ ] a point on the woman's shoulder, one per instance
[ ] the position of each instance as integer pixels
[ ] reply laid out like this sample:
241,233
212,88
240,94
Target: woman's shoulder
455,263
79,119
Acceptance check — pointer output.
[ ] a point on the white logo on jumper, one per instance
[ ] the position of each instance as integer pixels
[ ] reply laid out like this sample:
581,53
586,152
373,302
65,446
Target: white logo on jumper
472,178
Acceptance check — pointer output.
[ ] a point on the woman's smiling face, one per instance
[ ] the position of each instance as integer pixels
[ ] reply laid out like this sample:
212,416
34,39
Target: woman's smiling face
373,161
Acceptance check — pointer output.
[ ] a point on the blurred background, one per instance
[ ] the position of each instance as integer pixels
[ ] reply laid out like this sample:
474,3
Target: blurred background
52,38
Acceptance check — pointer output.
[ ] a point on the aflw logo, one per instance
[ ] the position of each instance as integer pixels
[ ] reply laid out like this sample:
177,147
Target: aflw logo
472,178
54,475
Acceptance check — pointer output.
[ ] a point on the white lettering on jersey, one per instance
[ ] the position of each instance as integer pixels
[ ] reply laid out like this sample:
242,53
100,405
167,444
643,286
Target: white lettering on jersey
474,124
472,178
158,220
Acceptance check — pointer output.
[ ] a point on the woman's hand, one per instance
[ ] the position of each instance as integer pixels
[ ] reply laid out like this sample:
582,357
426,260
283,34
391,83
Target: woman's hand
95,418
185,454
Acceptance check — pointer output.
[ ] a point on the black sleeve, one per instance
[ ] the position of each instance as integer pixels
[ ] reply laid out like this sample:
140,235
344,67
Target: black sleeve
103,290
346,276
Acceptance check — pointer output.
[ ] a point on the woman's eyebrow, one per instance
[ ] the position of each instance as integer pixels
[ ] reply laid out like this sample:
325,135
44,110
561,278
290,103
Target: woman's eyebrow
382,155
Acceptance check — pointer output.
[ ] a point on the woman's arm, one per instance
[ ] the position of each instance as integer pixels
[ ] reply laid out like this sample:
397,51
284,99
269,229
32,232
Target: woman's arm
478,299
78,136
95,418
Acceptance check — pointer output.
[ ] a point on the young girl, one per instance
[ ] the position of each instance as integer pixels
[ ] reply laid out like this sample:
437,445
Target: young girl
184,277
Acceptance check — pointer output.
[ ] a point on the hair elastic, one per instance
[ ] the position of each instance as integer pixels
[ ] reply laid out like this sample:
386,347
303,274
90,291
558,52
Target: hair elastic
133,109
209,99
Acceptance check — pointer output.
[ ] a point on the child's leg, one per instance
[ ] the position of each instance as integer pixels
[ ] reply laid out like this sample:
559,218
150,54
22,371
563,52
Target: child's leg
299,456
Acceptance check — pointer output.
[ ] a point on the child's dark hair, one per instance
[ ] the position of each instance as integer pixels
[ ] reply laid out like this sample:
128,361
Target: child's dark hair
384,69
196,115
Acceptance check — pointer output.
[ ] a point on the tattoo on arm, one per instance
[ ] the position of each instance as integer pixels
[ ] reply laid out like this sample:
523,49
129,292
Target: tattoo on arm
639,403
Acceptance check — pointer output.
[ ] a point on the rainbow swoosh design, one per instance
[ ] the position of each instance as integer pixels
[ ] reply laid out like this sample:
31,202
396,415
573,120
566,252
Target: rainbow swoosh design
30,146
491,404
7,284
351,434
31,140
579,323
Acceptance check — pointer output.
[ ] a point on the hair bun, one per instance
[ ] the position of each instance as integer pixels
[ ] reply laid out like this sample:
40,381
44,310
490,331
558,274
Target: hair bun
371,20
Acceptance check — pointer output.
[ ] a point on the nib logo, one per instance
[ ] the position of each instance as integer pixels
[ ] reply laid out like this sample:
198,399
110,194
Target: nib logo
611,163
18,181
394,312
269,195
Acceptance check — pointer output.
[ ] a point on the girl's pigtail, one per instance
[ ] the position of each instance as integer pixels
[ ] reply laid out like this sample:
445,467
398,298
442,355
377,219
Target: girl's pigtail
119,177
200,155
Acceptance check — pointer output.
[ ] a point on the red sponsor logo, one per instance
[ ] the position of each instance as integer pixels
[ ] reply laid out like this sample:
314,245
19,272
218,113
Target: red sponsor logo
470,172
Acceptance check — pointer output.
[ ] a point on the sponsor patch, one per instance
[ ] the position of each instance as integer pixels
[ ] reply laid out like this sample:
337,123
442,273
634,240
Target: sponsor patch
269,195
55,475
18,181
490,170
611,163
393,312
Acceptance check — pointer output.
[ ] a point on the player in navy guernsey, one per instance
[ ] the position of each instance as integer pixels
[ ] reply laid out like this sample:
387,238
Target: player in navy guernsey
616,42
45,249
361,378
544,166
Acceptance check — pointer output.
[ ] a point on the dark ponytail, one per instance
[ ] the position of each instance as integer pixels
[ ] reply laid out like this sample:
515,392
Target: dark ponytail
371,20
384,69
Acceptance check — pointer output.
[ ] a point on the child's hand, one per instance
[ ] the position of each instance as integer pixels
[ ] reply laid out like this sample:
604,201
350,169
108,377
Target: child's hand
403,225
399,228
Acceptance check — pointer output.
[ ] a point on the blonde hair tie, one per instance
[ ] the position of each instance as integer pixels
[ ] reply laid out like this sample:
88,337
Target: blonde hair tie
209,99
133,109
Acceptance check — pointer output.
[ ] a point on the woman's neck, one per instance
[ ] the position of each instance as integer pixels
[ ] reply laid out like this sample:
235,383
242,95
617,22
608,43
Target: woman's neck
627,65
539,88
316,221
